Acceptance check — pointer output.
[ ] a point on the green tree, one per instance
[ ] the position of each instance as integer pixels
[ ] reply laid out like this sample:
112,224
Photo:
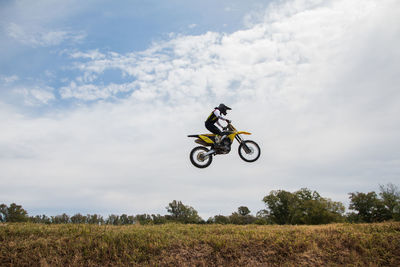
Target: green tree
236,218
182,213
144,219
40,219
369,207
64,218
242,216
311,208
243,211
95,219
125,219
280,204
113,220
79,219
262,217
13,213
3,212
390,196
219,219
301,207
365,205
158,219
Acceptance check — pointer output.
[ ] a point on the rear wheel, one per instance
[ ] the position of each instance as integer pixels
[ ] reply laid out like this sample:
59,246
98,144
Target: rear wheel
249,151
198,159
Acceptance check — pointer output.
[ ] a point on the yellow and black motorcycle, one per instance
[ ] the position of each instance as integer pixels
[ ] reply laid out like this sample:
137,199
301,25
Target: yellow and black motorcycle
201,156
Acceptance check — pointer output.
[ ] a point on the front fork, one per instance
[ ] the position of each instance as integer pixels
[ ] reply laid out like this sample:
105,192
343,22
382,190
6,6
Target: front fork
240,140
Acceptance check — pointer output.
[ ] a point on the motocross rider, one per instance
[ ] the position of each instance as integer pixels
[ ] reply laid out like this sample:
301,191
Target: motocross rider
214,118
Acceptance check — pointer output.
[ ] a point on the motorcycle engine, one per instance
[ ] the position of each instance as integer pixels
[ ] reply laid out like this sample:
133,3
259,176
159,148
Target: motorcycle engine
226,146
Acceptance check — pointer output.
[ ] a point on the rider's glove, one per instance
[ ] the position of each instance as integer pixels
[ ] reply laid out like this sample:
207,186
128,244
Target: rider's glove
228,121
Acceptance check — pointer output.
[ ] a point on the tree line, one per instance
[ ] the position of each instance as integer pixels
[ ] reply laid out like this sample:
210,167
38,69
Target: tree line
281,207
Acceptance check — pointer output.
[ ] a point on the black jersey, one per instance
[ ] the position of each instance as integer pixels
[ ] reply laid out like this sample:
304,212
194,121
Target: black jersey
214,116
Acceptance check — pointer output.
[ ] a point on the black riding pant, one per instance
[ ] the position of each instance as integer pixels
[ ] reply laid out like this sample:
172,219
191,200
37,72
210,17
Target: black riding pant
212,128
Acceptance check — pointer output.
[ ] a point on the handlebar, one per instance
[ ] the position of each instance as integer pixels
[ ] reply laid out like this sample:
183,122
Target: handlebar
229,127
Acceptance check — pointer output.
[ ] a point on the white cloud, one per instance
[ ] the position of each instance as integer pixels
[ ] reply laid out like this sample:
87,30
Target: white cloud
36,96
315,81
9,79
94,54
89,92
34,36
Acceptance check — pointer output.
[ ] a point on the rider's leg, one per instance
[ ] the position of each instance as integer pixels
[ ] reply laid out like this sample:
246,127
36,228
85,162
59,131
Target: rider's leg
215,130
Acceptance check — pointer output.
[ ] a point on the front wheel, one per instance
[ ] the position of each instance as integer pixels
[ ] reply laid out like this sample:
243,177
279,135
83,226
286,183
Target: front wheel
249,151
198,159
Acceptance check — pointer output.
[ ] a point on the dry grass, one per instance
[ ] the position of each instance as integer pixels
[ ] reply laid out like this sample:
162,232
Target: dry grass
200,245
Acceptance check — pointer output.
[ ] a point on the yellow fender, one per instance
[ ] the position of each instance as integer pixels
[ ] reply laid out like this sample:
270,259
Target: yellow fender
232,136
243,133
206,139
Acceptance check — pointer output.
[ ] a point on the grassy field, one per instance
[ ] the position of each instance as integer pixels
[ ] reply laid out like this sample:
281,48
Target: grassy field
200,245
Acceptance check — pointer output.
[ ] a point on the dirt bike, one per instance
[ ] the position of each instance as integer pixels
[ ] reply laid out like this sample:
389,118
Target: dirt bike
201,156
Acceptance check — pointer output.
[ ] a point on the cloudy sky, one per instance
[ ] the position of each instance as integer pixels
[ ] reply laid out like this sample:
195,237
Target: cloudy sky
97,97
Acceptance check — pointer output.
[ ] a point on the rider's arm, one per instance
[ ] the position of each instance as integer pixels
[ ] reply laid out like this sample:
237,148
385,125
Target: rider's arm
218,114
